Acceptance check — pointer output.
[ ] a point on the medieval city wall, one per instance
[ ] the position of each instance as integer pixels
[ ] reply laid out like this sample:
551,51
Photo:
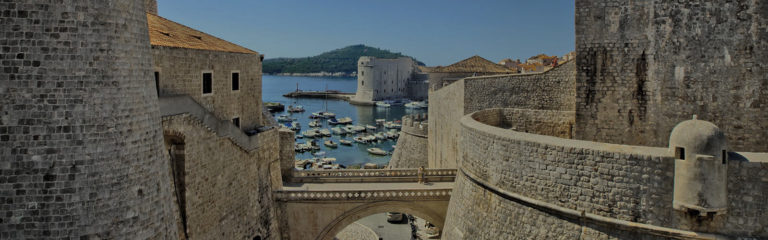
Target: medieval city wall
645,66
80,141
511,185
181,73
551,90
227,190
411,148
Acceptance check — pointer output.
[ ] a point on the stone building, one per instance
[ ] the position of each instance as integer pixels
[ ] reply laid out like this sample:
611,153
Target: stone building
387,79
474,66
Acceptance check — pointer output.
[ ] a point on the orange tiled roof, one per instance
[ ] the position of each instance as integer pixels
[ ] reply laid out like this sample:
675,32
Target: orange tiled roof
474,64
164,32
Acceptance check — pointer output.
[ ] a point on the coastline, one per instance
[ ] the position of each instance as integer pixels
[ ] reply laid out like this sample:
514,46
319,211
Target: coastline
316,74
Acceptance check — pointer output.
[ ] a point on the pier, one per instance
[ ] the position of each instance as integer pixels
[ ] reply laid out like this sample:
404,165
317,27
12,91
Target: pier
332,94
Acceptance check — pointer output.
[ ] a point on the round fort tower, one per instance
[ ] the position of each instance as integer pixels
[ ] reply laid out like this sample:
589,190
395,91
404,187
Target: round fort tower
411,150
81,145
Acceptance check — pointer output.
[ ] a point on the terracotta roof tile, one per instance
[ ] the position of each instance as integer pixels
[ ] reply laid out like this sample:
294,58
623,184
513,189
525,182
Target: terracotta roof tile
164,32
475,64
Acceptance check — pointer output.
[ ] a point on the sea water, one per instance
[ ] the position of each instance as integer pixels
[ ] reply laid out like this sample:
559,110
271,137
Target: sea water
273,88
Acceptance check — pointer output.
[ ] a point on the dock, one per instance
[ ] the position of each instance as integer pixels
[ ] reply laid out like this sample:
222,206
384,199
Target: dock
331,94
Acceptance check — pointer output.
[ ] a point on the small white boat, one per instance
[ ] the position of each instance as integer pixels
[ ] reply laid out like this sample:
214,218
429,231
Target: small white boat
370,127
284,118
338,131
412,105
377,151
325,132
358,128
392,125
359,139
345,142
380,121
315,123
317,154
382,104
345,120
297,108
379,136
330,143
295,126
310,133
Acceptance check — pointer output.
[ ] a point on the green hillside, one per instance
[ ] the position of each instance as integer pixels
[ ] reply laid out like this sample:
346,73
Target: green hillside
339,60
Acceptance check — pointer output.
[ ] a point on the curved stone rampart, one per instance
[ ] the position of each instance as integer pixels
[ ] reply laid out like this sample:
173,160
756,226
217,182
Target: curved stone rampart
618,182
411,149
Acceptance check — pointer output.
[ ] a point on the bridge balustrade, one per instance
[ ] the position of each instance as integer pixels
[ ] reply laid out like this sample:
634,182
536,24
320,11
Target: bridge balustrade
422,194
373,175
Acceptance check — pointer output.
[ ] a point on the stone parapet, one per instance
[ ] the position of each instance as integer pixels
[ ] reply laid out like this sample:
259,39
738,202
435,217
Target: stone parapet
620,182
415,124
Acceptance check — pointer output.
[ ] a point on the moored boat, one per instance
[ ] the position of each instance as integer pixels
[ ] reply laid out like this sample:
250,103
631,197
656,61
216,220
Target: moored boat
382,104
345,120
377,151
345,142
315,123
370,127
330,143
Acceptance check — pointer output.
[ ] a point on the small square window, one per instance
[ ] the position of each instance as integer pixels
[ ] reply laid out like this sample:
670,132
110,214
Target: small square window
207,83
235,81
236,121
680,153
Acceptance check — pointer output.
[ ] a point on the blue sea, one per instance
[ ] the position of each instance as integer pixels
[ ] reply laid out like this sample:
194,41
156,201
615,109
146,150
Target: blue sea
273,88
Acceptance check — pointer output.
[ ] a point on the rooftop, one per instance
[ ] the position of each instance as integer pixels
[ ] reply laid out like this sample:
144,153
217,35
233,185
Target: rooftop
474,64
164,32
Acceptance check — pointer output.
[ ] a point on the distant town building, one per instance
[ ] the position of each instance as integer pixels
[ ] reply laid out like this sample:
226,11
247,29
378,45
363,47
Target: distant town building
474,66
567,57
511,64
542,59
387,79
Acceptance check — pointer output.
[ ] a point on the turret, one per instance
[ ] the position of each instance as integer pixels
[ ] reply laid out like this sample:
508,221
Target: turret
701,166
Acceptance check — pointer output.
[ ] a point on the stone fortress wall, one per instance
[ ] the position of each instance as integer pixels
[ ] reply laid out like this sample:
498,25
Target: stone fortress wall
532,175
150,6
181,69
646,66
382,79
411,147
210,167
551,90
81,150
641,69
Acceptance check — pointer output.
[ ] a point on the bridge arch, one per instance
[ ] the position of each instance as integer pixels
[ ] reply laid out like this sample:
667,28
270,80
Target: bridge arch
422,209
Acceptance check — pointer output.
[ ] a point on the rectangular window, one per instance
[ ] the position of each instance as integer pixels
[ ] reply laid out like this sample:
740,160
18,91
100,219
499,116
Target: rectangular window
207,83
725,156
680,153
157,83
236,121
235,81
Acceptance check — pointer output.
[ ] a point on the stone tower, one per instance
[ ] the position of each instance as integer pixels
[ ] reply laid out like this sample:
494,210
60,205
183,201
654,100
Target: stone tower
151,6
411,151
80,136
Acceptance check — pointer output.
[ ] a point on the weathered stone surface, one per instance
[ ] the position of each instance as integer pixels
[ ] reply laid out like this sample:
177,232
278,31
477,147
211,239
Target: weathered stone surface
81,152
181,70
227,190
645,66
551,90
411,148
630,183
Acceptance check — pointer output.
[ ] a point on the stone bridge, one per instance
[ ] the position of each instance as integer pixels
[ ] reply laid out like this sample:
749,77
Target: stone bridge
318,204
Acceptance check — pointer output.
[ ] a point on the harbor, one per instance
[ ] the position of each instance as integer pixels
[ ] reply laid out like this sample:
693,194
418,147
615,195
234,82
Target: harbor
350,133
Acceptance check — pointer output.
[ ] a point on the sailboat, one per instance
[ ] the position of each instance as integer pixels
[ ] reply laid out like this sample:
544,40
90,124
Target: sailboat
326,113
295,107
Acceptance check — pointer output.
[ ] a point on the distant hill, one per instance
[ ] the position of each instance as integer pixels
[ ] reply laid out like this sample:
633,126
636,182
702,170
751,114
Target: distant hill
339,60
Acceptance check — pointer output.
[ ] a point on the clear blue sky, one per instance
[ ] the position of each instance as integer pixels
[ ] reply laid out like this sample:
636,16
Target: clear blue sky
437,32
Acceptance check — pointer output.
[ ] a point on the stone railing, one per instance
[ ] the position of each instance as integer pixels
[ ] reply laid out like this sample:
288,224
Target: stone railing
421,194
373,175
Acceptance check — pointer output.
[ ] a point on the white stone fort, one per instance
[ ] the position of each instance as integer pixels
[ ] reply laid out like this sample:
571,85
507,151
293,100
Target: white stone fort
116,123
